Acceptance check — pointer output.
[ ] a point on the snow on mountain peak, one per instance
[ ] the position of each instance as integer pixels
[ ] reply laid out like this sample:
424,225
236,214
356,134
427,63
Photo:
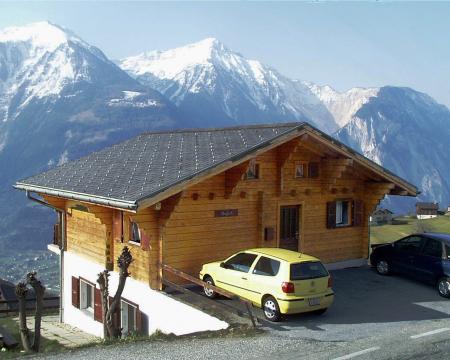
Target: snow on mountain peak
343,105
43,34
168,64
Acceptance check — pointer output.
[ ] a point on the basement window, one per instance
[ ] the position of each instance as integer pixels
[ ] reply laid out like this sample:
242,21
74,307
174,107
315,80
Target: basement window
86,296
128,318
252,171
135,233
342,213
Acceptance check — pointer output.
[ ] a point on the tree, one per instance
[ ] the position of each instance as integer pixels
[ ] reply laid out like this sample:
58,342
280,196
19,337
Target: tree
21,293
111,328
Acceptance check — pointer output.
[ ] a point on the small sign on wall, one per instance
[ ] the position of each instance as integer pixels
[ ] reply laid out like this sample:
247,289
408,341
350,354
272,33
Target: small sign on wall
226,213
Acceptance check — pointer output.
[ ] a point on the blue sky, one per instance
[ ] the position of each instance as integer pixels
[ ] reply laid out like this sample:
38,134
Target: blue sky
339,44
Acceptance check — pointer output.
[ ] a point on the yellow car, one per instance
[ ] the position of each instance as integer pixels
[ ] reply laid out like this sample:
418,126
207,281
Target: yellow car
277,280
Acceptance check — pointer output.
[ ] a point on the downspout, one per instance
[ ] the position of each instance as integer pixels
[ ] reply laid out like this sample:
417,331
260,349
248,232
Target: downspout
62,219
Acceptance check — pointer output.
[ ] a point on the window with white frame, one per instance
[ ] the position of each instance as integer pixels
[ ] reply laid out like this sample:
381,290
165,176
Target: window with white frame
135,232
128,317
86,296
342,213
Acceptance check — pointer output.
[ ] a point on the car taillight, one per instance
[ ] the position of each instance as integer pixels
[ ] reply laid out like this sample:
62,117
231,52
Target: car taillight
287,287
330,282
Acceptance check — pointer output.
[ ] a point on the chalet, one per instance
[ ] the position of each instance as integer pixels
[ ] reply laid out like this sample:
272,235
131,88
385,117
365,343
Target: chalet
426,210
381,216
184,198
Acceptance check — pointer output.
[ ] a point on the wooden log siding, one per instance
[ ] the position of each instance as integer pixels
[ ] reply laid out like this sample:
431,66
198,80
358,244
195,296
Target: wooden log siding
89,234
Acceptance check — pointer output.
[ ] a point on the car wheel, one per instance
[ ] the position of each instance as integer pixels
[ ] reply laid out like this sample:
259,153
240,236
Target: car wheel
443,287
208,292
382,267
271,309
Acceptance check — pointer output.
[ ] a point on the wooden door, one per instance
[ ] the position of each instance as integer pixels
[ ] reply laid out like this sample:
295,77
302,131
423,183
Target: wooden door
289,227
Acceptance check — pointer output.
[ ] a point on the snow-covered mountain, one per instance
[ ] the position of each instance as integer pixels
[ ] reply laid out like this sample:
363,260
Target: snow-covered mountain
343,105
409,133
61,98
217,86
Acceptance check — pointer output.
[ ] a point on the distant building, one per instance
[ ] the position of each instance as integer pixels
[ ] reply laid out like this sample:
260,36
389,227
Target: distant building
426,210
382,216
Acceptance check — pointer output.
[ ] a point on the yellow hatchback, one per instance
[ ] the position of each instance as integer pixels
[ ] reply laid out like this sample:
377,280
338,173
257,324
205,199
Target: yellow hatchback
277,280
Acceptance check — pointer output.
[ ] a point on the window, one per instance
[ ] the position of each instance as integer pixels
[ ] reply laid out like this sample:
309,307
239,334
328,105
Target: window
433,248
447,251
86,296
240,262
252,171
342,213
135,233
411,244
301,170
308,270
266,266
304,169
128,317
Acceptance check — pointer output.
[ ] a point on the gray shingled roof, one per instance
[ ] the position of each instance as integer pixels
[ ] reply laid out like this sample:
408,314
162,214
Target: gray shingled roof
151,162
140,168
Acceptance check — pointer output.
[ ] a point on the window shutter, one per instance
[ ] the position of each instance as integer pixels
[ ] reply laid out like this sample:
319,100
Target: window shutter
76,292
145,241
139,328
358,213
331,214
98,311
313,169
117,226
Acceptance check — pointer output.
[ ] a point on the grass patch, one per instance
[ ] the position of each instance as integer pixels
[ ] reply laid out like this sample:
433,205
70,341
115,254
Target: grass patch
12,327
388,233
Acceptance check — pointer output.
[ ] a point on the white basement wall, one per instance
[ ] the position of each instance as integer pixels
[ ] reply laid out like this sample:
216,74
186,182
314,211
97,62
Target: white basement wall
160,312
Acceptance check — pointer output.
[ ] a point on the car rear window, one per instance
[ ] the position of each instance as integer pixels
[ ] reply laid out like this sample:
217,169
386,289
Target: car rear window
308,270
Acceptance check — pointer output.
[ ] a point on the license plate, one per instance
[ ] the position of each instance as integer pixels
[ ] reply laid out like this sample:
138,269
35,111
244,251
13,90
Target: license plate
314,301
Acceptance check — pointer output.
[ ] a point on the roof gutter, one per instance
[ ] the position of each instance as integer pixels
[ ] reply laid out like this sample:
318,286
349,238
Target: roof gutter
121,204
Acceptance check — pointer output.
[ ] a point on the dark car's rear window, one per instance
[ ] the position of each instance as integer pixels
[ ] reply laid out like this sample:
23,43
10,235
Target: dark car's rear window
308,270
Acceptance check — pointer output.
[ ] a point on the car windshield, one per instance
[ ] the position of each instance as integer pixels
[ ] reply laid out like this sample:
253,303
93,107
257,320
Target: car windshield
308,270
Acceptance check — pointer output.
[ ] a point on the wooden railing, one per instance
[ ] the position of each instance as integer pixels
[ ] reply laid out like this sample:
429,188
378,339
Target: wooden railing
49,303
220,291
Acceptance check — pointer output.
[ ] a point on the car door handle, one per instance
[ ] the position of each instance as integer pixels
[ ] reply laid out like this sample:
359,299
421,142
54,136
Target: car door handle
243,278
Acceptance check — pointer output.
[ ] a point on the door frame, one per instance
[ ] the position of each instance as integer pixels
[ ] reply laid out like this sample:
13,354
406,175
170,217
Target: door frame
301,205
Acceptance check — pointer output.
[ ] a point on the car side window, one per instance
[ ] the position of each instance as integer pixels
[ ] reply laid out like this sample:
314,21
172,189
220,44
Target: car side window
240,262
412,244
447,251
433,248
266,267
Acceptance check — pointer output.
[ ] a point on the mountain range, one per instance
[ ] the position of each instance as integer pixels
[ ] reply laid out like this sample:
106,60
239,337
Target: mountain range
61,98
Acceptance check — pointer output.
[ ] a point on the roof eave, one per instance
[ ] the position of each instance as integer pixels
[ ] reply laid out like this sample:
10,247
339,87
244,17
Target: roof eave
98,200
